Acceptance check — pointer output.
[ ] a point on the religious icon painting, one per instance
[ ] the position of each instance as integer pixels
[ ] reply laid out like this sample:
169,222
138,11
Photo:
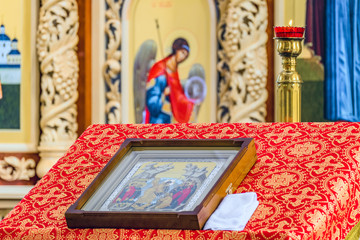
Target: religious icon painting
169,57
19,104
163,183
10,64
162,180
162,186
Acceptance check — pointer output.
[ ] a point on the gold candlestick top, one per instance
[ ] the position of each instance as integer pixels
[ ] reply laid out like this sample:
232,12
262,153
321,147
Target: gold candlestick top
289,47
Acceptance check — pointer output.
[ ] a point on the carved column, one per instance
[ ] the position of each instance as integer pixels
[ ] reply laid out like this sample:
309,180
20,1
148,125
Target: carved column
56,44
112,66
242,62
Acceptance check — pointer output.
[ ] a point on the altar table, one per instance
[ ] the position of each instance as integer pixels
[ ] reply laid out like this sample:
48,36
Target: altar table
306,178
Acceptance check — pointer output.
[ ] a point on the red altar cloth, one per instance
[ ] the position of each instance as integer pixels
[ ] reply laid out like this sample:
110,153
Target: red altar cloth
306,178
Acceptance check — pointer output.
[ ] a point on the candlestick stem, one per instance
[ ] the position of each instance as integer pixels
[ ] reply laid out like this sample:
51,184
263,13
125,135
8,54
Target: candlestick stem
288,83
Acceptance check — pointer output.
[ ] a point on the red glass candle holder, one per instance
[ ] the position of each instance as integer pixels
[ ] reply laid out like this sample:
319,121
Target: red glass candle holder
289,32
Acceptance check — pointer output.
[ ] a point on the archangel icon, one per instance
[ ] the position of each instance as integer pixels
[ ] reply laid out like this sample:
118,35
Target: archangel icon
161,97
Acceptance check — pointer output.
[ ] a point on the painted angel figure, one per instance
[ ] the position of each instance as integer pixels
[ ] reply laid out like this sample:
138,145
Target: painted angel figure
159,94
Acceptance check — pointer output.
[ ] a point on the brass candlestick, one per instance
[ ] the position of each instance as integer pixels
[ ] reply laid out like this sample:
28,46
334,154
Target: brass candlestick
288,83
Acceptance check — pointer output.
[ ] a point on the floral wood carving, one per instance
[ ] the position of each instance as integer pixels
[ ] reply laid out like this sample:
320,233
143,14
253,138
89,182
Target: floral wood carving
56,44
242,61
112,66
13,168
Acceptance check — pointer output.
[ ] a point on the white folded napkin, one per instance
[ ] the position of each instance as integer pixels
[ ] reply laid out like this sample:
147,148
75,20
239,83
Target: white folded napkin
233,212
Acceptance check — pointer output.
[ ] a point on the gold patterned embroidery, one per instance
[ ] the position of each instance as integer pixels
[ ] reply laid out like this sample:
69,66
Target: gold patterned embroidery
39,234
281,224
81,162
103,234
318,219
71,236
298,199
354,213
111,150
167,234
303,149
58,213
264,211
52,192
234,235
86,180
281,180
339,186
343,136
356,154
264,162
226,131
285,133
161,133
96,139
135,236
320,166
23,224
336,234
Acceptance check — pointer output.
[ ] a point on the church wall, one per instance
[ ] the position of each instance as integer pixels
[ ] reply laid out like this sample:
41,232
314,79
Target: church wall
5,48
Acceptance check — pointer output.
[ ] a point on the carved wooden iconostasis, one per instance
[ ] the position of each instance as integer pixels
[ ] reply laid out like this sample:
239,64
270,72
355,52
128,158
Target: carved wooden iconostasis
78,69
241,80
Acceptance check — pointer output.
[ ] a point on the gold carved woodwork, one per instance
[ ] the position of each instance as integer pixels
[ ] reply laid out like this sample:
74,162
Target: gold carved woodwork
56,45
13,168
112,66
242,61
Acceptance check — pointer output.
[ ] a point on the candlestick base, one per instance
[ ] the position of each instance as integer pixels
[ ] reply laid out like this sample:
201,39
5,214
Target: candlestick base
288,83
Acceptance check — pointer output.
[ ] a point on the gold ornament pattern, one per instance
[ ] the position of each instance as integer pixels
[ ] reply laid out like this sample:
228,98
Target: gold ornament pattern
307,178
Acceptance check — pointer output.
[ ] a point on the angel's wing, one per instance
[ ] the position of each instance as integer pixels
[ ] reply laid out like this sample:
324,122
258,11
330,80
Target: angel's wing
197,70
144,60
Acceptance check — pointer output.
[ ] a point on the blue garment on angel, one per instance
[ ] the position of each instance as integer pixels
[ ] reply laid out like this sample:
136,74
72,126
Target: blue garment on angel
156,99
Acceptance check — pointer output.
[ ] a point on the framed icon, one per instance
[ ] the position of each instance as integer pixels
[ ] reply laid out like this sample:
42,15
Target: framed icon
163,184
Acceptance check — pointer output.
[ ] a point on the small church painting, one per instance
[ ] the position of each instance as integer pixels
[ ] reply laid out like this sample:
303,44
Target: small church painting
10,81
